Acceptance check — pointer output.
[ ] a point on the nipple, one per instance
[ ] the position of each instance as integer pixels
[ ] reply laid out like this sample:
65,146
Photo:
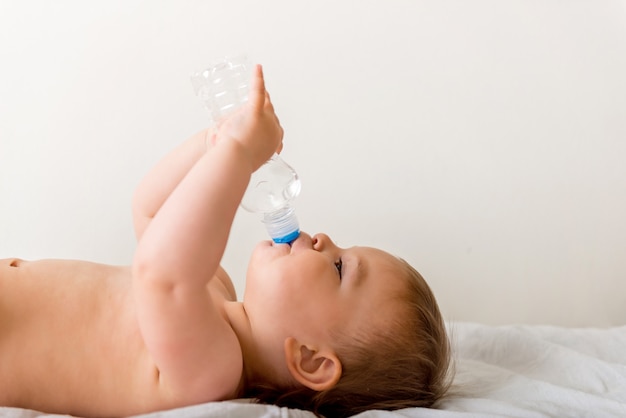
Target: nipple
15,262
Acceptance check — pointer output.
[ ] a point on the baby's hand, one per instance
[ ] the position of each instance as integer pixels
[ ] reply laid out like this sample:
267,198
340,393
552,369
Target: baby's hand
254,126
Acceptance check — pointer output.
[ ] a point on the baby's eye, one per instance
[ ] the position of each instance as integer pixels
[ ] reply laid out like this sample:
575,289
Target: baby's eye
339,266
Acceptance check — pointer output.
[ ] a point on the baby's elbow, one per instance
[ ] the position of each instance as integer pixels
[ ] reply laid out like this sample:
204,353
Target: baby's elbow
148,272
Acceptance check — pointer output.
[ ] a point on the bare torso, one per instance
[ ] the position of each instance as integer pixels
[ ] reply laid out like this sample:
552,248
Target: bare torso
70,342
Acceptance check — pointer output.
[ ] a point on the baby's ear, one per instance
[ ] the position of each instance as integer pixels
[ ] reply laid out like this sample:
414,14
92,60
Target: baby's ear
316,368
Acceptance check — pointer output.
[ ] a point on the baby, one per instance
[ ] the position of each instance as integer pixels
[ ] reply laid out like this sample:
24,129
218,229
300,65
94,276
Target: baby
329,329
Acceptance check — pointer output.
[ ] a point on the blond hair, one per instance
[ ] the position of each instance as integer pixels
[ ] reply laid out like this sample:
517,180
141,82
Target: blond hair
406,364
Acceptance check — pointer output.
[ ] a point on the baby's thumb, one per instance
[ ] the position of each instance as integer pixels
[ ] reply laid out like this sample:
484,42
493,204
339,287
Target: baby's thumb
257,88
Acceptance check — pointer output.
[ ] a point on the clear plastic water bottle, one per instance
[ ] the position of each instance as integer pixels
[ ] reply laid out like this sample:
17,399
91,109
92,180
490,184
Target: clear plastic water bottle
222,87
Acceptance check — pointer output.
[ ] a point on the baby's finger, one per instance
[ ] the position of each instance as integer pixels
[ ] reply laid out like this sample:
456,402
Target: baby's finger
279,148
268,102
257,88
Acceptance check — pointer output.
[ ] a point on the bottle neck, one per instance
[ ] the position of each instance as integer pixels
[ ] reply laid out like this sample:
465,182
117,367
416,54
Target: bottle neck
282,225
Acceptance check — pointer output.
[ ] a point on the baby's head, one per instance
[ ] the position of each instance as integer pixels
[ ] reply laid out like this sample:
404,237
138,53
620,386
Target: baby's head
344,330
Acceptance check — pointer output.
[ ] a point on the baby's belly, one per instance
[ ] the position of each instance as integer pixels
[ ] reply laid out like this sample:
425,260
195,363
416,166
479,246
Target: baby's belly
69,340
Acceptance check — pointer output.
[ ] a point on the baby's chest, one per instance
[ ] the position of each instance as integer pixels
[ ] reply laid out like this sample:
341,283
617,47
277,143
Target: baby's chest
54,305
67,327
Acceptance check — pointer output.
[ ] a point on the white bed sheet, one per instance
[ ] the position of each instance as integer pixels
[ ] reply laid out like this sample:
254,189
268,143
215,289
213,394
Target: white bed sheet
505,371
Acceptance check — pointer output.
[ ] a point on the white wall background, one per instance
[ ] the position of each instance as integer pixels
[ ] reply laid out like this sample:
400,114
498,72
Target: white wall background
483,141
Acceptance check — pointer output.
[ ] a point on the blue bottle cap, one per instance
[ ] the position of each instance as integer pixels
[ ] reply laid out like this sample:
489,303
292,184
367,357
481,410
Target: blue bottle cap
287,239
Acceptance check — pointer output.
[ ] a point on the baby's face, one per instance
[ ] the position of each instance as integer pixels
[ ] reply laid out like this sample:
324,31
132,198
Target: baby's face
313,286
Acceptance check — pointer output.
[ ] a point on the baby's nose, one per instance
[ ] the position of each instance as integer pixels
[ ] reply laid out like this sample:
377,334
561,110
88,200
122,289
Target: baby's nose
320,241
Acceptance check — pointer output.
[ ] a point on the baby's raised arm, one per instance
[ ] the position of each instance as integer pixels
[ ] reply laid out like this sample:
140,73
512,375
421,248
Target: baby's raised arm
180,249
162,179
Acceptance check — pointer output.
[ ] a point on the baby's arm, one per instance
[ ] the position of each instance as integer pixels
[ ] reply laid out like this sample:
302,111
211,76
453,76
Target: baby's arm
179,252
163,178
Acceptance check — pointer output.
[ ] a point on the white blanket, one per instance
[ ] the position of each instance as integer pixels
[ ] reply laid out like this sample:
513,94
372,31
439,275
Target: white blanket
507,371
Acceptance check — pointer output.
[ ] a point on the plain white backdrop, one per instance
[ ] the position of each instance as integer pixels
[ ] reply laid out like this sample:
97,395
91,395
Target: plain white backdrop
482,141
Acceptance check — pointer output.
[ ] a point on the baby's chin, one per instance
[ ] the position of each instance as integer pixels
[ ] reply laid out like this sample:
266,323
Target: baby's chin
263,256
